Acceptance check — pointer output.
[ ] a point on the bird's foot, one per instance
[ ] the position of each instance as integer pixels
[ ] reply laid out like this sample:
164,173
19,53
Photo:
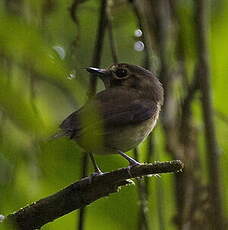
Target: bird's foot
96,173
133,164
131,161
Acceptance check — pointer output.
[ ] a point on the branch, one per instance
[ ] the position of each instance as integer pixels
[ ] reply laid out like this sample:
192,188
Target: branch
82,193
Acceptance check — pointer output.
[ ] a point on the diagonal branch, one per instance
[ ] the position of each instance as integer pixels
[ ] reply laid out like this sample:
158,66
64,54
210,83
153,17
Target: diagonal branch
82,193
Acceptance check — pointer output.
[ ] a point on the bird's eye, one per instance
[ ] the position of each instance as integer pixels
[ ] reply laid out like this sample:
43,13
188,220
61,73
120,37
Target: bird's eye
121,73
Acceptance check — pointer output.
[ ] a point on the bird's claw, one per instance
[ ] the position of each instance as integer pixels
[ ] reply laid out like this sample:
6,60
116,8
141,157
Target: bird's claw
97,173
132,164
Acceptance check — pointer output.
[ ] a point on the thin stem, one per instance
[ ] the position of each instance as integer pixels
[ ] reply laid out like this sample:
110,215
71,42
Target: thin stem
160,202
96,59
112,41
143,200
139,17
84,172
143,186
202,10
96,168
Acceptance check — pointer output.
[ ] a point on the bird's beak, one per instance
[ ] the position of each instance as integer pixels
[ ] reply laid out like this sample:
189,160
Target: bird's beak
97,71
104,74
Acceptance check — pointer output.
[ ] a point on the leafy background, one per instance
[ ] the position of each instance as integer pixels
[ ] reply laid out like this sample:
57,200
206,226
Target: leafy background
39,88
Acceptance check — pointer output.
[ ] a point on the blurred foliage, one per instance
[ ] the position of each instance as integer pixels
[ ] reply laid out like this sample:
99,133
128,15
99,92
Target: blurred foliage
39,88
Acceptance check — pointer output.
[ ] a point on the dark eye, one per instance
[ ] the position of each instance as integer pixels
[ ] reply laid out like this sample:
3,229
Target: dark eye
121,73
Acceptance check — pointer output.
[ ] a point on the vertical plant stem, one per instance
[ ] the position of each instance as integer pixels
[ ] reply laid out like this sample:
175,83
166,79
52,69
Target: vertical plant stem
33,92
143,186
96,60
202,20
84,172
160,206
160,11
110,33
143,223
141,26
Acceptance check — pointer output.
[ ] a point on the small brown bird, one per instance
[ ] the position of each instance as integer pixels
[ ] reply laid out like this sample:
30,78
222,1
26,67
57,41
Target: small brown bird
120,117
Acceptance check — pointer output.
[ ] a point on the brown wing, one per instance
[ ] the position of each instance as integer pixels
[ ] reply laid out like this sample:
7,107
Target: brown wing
71,125
112,107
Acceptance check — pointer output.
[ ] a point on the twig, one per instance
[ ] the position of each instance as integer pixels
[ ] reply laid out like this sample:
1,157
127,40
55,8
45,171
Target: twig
180,46
84,173
139,17
210,135
143,200
161,14
73,13
82,193
191,90
110,33
160,204
73,9
185,107
96,59
149,155
162,23
143,186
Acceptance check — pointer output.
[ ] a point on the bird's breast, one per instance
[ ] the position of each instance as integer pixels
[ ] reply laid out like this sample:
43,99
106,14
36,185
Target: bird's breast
122,138
126,138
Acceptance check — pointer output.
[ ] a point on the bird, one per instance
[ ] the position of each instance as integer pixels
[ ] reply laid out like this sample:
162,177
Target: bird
121,116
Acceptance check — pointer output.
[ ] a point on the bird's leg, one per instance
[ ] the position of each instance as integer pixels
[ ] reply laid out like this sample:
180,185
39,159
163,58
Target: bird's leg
96,168
131,161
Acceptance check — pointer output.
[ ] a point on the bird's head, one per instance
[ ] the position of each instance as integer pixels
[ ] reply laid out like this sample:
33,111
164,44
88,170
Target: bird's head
131,77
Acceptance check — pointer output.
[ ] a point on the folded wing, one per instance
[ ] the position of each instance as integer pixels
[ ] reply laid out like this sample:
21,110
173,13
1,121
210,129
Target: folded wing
112,107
